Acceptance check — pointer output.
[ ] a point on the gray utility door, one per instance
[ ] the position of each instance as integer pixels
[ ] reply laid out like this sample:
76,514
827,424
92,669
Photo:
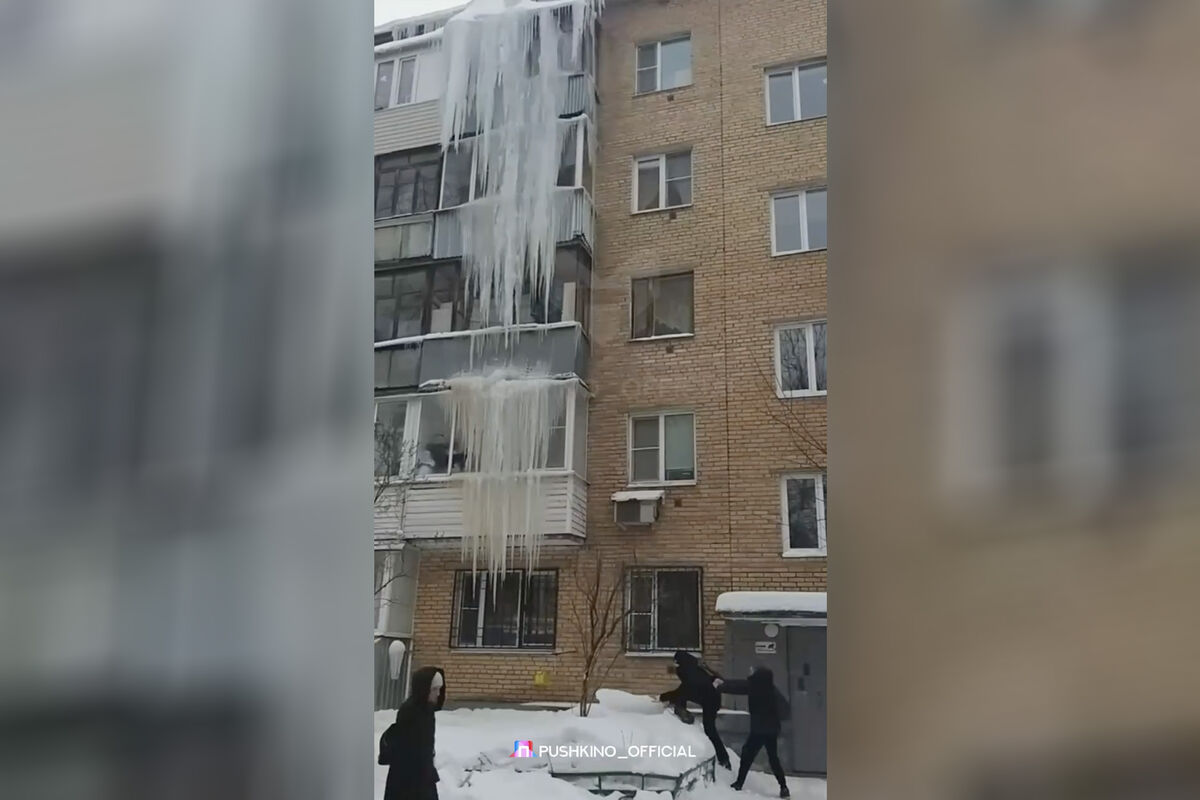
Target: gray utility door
806,691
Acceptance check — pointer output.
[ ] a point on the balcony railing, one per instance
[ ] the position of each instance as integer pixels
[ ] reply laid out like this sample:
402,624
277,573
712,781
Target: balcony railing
576,220
559,348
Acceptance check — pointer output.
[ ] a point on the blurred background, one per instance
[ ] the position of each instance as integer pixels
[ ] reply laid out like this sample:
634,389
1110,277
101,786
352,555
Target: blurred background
185,391
184,396
1014,397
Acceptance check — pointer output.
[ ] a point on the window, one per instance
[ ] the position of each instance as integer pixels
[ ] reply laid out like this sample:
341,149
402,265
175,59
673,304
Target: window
664,609
796,93
798,222
662,306
663,181
402,73
519,612
800,359
462,182
804,500
662,448
406,183
414,302
664,65
419,436
390,456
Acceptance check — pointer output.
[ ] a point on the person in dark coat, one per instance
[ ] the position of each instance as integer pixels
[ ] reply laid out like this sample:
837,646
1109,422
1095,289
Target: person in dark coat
406,747
696,686
768,708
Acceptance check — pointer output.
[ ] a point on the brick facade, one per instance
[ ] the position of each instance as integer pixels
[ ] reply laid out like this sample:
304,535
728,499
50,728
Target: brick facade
728,523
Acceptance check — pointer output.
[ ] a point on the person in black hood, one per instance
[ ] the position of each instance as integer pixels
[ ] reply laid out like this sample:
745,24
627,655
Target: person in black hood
696,686
768,708
406,747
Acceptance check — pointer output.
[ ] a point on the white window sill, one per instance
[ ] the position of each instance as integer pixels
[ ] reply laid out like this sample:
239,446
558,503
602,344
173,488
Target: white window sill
654,653
795,121
802,393
658,484
777,254
653,92
807,552
659,210
664,336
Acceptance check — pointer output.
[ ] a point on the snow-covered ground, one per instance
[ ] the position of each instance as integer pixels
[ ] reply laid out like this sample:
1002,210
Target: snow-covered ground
482,740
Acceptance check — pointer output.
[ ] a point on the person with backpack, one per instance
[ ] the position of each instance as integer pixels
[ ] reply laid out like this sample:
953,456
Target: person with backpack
406,747
696,686
768,708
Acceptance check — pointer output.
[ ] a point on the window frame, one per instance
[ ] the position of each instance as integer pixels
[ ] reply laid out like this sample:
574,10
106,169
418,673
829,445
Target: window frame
658,46
819,488
575,404
662,449
633,337
804,236
394,90
383,158
660,159
811,359
461,310
456,607
653,647
794,71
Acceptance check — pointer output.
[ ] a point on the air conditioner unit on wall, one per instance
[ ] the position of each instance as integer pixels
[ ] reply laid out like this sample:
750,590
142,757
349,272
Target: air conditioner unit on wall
636,508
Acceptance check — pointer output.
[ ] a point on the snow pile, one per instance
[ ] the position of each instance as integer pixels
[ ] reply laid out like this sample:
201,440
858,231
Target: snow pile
609,701
503,422
772,602
505,80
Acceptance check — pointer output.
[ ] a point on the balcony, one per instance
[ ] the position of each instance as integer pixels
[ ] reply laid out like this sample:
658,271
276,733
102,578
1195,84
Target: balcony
560,348
417,125
432,509
576,220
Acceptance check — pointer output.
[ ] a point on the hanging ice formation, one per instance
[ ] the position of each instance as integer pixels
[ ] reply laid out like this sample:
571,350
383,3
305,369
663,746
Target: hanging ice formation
507,64
503,422
507,68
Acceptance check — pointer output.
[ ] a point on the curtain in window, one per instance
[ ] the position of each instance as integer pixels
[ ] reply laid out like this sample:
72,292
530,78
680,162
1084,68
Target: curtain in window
641,609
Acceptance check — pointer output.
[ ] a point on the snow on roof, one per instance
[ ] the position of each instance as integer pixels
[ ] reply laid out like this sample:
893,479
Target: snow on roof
772,602
642,494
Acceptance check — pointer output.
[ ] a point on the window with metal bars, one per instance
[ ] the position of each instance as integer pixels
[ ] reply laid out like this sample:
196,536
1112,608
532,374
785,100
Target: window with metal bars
519,611
663,606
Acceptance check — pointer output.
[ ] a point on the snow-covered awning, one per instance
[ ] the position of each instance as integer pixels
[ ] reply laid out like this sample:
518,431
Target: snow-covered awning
637,494
775,604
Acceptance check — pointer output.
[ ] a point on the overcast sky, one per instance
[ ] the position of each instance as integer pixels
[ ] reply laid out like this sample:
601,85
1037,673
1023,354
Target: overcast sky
388,10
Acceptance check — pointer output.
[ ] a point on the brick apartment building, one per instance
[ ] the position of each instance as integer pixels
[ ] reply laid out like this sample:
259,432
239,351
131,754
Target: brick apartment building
692,313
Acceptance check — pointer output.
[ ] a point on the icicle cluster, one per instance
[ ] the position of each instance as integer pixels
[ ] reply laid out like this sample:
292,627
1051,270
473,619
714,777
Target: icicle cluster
503,422
504,80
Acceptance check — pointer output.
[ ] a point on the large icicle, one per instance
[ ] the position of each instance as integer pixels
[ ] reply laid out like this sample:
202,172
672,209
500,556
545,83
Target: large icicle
504,79
503,422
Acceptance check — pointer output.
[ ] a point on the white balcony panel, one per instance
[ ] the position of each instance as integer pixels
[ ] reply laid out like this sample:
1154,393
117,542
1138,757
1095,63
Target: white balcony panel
433,509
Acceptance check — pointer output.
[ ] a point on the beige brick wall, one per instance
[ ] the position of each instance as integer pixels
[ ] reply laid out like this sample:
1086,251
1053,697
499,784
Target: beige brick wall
729,522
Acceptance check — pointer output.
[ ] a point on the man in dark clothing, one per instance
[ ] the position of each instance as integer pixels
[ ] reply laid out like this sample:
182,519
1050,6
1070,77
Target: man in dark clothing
406,747
768,707
696,686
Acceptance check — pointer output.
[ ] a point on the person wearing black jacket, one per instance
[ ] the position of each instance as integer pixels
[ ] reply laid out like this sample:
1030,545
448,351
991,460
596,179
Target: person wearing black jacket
768,707
406,747
696,686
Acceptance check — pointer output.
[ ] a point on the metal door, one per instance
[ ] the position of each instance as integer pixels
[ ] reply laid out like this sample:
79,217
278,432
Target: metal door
806,685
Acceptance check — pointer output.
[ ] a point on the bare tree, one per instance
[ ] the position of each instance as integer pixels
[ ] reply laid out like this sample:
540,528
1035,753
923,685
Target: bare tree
597,617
